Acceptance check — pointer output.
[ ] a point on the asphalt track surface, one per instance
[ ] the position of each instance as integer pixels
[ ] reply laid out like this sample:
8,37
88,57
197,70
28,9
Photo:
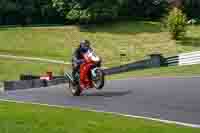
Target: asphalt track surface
175,99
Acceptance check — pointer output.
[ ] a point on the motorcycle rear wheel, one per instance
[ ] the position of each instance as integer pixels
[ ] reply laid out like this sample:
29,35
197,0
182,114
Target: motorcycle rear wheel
76,90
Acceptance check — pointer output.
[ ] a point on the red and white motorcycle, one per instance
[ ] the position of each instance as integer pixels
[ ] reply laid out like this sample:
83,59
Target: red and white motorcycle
90,75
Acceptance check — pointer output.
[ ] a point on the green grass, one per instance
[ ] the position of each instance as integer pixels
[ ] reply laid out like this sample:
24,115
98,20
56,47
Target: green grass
192,70
36,42
135,38
26,118
10,69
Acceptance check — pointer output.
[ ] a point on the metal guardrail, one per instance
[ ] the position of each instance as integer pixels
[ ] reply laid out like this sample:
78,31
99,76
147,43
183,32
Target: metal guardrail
31,81
154,61
183,59
170,61
127,67
157,60
189,58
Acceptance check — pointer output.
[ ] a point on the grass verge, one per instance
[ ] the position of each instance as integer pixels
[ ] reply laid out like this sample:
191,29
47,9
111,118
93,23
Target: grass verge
11,69
29,118
192,70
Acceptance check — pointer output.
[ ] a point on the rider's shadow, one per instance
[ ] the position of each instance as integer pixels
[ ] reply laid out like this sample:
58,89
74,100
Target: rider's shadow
108,93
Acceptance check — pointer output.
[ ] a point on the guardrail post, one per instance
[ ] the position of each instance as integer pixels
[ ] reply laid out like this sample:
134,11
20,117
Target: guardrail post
156,60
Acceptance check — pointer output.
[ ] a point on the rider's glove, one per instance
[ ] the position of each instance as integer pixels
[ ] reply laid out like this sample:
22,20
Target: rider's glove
80,62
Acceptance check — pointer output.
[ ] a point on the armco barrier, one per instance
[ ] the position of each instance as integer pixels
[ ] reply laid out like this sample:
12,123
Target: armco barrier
31,83
156,60
173,60
15,85
56,81
31,77
189,58
127,67
183,59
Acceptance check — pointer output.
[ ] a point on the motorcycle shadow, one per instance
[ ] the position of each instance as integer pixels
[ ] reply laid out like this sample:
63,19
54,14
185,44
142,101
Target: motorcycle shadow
108,93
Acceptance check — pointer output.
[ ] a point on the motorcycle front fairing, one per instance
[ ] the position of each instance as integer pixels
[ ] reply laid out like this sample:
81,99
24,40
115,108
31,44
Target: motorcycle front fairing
84,76
85,69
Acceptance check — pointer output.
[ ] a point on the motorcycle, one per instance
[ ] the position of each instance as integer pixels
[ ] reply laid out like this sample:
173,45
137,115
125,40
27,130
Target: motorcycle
90,75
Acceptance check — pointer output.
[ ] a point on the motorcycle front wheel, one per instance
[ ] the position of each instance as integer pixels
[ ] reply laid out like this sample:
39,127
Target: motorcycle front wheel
99,79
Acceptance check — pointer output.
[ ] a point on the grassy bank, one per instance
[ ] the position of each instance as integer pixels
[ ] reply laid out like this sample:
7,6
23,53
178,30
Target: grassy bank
11,69
171,71
25,118
136,38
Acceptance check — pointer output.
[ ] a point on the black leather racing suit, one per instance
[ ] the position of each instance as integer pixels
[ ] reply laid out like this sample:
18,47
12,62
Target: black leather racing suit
77,60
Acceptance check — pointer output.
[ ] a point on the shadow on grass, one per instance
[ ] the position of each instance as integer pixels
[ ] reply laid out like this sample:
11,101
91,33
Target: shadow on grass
124,27
189,41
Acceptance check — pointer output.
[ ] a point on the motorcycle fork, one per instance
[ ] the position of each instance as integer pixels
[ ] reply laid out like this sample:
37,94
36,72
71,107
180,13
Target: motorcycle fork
69,78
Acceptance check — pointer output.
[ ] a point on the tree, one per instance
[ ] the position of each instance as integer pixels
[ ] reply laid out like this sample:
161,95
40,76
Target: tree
192,8
176,23
86,11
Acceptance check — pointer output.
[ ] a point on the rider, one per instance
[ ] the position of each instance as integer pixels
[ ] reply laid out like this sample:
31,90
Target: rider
77,58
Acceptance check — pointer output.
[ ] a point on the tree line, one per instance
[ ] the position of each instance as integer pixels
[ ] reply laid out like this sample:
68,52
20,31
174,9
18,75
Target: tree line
86,11
28,12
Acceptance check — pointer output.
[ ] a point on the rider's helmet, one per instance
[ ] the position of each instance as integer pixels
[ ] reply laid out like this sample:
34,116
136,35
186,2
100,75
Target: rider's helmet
84,45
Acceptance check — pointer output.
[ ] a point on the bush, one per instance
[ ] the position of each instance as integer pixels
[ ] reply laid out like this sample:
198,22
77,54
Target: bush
176,23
